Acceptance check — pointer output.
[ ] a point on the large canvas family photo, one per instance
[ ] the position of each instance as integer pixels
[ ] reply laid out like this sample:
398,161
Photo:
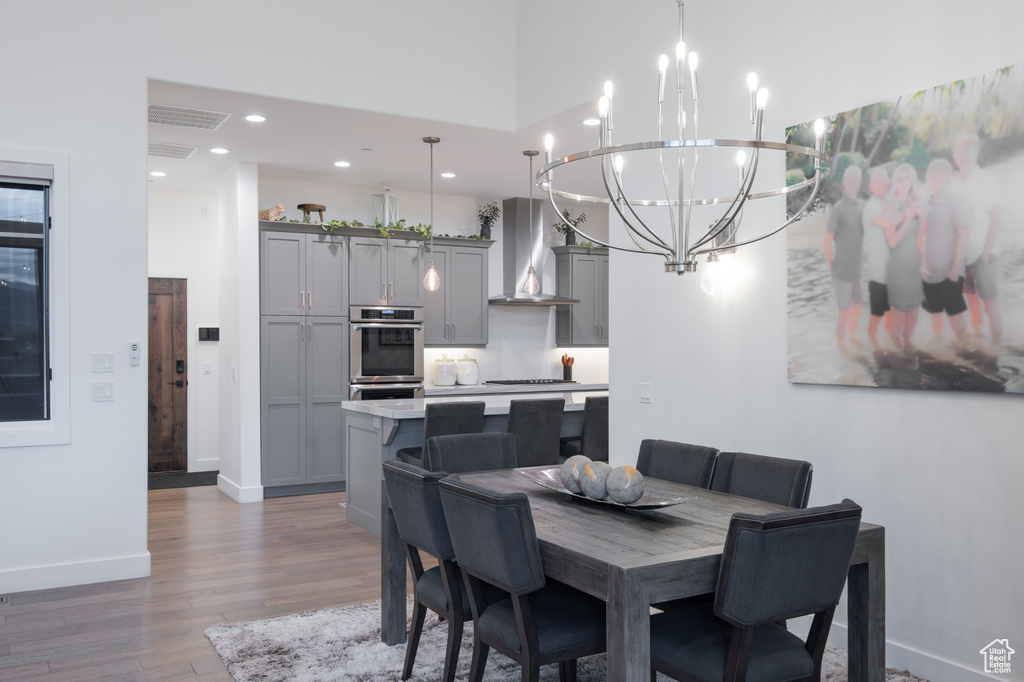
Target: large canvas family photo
909,270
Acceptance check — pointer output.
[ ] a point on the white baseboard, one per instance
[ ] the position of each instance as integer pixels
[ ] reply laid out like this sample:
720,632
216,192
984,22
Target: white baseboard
238,493
78,573
925,665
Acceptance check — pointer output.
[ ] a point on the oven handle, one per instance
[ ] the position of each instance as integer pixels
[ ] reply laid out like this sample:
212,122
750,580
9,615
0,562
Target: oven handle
416,327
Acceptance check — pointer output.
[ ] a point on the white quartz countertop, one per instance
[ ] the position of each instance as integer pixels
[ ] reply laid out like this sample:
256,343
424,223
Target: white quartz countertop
412,408
496,389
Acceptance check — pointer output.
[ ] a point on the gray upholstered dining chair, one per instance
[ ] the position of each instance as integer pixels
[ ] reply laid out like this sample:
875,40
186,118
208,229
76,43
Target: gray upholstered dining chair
537,426
442,419
774,567
593,440
540,621
678,462
770,479
415,502
471,452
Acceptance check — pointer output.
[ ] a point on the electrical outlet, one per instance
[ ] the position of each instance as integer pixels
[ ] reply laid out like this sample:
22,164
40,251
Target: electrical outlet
647,393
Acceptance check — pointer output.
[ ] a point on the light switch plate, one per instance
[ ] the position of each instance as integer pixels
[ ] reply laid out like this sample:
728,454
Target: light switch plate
647,393
102,362
102,391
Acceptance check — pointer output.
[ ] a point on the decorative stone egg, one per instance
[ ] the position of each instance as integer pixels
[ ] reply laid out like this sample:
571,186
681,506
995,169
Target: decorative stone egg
593,479
570,472
625,485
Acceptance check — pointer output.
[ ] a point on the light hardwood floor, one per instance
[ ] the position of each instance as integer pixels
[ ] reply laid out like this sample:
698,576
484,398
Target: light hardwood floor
213,561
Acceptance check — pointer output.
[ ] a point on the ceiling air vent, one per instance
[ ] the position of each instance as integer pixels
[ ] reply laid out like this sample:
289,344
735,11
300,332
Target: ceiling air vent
170,150
186,117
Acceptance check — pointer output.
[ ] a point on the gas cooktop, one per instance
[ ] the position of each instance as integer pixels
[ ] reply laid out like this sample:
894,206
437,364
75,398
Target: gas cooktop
517,382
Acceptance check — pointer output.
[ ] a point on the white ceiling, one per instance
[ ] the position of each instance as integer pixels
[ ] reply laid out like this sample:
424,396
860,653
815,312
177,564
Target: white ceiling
301,141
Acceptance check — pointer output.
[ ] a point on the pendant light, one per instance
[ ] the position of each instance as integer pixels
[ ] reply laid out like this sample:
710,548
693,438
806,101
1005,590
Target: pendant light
431,280
532,285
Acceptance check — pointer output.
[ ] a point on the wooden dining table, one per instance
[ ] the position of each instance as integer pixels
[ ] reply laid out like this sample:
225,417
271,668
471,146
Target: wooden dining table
633,558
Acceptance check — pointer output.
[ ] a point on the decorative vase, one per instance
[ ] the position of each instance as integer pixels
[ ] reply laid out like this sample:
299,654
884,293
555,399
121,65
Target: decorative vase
485,231
570,238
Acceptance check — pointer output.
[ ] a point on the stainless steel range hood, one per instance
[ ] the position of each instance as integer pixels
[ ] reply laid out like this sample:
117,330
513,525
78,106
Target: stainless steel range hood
516,244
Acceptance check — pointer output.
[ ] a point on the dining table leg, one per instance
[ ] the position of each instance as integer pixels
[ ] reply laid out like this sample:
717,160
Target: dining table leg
392,576
866,614
628,629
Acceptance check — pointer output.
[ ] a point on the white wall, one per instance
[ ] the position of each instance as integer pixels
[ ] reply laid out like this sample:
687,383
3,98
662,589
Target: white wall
941,471
76,513
184,243
239,337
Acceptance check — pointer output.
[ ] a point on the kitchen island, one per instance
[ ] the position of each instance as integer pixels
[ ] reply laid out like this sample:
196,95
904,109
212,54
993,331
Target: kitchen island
375,430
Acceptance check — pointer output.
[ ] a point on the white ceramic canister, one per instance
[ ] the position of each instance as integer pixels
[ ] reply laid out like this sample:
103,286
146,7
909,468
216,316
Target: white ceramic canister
468,371
444,371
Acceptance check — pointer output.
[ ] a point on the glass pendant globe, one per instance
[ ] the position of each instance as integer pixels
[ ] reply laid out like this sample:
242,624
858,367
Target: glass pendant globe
432,280
532,284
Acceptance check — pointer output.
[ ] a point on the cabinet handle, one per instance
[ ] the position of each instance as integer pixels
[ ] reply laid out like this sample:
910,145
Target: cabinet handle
391,290
453,330
302,300
309,299
302,332
309,334
384,291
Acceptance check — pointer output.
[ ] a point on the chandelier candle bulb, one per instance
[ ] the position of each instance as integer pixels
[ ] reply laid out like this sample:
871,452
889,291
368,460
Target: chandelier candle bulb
762,98
741,162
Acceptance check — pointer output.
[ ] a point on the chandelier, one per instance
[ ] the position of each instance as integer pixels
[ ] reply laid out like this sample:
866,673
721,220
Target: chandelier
679,247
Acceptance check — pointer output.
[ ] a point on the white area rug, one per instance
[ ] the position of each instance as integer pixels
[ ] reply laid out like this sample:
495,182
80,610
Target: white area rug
344,644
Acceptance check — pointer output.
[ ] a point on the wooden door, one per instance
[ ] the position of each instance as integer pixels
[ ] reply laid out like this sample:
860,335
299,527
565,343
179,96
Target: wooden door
168,361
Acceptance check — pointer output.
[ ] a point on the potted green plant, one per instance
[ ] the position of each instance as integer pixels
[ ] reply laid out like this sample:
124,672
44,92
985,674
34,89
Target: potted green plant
570,232
488,215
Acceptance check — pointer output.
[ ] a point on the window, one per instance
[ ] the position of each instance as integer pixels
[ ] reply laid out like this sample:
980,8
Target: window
24,361
35,387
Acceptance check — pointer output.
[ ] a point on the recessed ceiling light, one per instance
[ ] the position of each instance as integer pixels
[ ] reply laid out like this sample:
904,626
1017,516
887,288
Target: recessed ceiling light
366,149
447,175
158,174
255,118
591,121
219,150
342,164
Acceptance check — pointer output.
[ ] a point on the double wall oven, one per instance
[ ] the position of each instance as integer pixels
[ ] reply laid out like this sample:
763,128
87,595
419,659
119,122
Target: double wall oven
387,353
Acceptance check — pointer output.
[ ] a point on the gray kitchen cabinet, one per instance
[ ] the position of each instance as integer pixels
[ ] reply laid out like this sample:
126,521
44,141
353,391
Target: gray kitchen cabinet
456,314
303,274
303,379
386,271
582,273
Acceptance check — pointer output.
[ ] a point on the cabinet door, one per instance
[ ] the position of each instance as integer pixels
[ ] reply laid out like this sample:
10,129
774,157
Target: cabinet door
435,313
467,296
326,275
283,400
327,359
602,299
563,287
584,287
368,264
282,273
405,272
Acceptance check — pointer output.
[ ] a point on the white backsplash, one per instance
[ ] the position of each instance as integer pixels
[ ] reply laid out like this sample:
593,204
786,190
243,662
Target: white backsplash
522,346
